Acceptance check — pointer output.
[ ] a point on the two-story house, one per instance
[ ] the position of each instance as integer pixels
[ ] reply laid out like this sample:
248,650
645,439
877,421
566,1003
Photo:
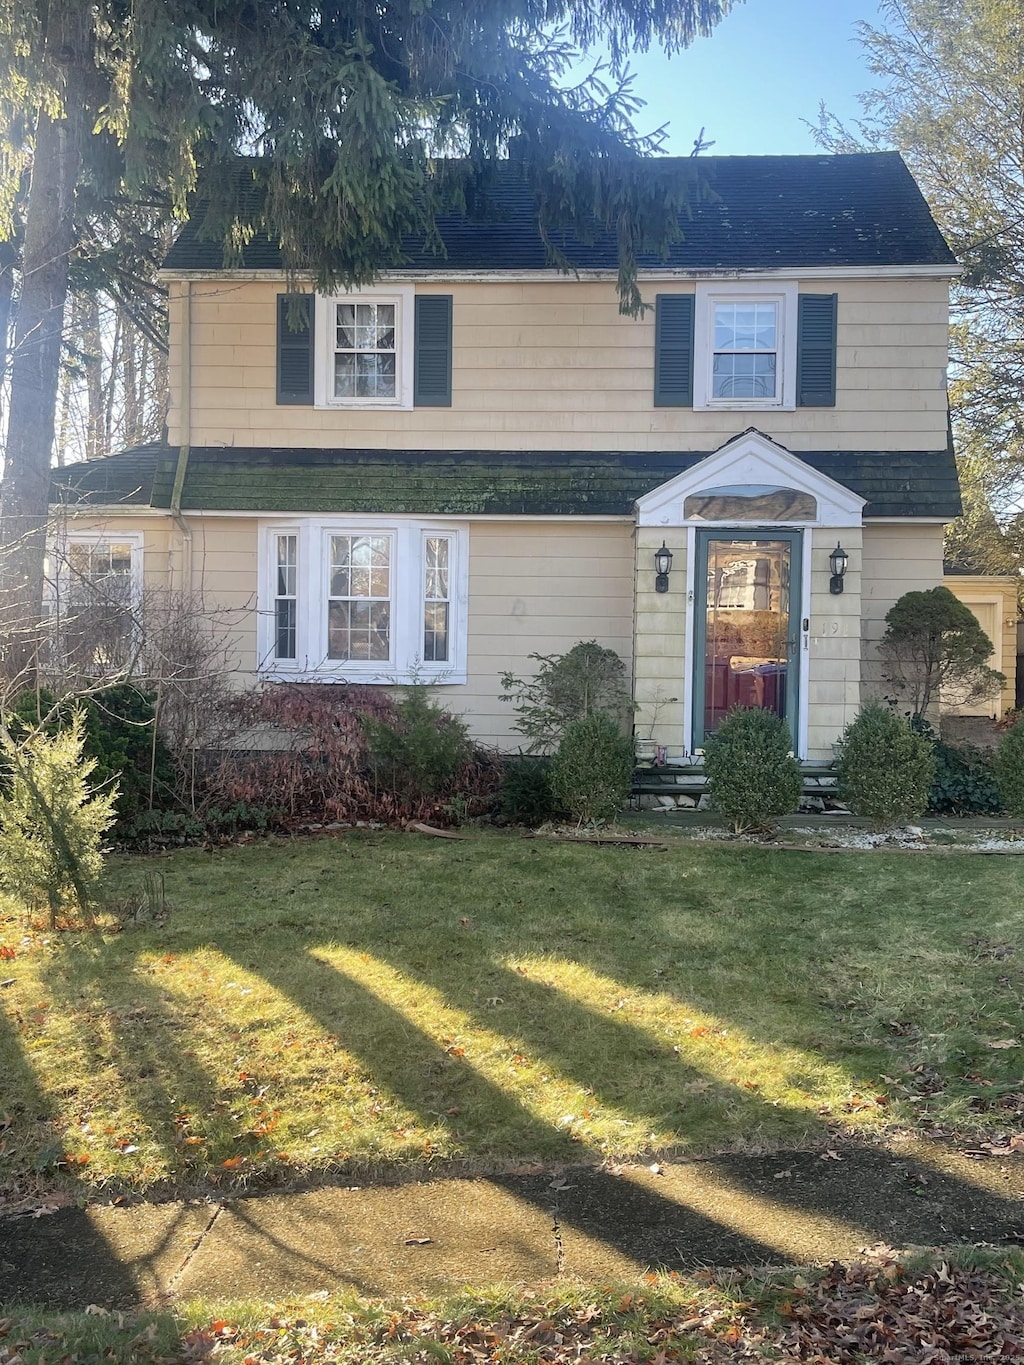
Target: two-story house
479,458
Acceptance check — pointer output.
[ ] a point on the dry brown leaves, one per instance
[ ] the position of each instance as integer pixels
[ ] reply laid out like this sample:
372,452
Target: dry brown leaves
882,1313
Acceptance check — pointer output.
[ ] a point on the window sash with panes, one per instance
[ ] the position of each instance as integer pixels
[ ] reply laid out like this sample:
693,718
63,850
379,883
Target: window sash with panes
746,350
436,598
286,598
359,598
365,351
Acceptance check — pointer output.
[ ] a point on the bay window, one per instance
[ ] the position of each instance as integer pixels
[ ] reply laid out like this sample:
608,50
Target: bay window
365,602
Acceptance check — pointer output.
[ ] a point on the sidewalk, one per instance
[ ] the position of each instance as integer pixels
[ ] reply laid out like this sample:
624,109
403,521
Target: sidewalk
438,1235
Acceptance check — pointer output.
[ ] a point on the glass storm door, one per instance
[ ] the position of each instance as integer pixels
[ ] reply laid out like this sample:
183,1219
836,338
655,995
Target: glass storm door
746,627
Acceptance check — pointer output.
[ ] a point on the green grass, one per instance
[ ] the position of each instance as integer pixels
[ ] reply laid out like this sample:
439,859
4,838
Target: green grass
378,999
725,1315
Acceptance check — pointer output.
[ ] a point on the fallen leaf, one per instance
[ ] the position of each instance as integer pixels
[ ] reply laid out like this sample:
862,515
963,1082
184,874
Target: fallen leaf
1005,1042
418,1241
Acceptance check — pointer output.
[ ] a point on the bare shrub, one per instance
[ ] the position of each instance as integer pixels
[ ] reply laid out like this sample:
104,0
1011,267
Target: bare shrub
187,659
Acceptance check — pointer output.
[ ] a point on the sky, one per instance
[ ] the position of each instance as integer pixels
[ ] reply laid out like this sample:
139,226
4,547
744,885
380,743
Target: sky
766,67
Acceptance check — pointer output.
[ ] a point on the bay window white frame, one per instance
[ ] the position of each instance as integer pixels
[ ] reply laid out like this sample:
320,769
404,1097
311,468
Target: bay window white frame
785,299
408,538
325,316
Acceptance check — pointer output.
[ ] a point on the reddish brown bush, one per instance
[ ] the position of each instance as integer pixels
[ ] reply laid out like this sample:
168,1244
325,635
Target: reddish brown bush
321,769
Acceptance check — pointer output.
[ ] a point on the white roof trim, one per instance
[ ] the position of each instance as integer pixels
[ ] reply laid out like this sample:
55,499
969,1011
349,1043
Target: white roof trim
751,458
553,276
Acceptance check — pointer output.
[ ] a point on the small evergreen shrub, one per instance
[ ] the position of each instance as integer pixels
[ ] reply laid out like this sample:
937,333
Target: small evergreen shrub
885,767
592,771
586,681
118,736
526,795
752,775
422,752
964,782
52,822
1009,767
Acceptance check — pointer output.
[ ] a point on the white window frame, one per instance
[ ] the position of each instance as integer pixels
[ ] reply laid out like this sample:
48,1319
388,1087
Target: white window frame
58,563
408,580
785,298
325,314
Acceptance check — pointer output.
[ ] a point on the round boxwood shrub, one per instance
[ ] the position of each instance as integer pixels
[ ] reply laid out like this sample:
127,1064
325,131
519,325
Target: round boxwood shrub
885,767
1009,767
526,797
592,771
752,775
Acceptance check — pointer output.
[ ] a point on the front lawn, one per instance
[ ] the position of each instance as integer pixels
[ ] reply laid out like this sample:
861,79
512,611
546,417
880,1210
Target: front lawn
379,999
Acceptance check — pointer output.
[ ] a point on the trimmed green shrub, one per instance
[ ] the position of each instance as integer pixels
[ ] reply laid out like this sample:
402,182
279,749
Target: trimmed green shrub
752,775
587,681
1009,766
885,767
592,771
964,782
421,753
934,644
526,796
52,822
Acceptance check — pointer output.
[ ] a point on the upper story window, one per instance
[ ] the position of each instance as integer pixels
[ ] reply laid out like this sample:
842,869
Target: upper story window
364,601
756,346
369,348
746,344
745,362
365,350
364,344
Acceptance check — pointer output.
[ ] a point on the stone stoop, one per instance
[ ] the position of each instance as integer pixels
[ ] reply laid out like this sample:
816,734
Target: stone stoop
683,786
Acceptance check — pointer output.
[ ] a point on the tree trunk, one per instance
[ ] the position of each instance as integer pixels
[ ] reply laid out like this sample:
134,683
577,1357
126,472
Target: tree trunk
8,262
92,352
49,237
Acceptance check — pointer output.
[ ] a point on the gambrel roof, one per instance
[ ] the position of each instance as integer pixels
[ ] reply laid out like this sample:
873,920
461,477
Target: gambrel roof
746,213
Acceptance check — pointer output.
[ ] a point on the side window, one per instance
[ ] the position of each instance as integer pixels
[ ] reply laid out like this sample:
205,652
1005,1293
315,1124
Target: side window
95,588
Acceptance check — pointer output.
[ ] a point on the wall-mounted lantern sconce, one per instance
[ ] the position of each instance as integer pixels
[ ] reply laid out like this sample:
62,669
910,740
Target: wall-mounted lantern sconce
837,562
662,564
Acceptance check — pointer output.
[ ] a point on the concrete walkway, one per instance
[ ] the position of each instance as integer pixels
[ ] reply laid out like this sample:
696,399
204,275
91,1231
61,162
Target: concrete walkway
438,1235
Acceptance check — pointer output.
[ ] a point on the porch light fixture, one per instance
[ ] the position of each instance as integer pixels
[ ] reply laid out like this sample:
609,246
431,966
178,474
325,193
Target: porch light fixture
662,564
837,562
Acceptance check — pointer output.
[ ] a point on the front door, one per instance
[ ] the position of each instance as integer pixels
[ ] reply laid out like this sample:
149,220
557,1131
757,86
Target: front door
746,627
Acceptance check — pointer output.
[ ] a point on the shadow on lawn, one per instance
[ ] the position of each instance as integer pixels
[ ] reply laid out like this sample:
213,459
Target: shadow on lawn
749,1205
887,1200
50,1276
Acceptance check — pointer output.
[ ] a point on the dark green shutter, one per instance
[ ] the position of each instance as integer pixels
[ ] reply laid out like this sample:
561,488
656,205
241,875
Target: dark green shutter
816,351
673,351
295,348
432,385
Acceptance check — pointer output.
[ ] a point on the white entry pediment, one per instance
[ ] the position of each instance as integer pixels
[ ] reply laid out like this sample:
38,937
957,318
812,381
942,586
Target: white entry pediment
756,463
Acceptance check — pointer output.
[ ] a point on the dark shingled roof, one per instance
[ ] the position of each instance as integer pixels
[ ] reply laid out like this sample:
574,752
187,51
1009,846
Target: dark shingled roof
756,213
919,483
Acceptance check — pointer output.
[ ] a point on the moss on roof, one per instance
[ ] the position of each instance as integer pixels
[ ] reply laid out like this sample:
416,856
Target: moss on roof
459,483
